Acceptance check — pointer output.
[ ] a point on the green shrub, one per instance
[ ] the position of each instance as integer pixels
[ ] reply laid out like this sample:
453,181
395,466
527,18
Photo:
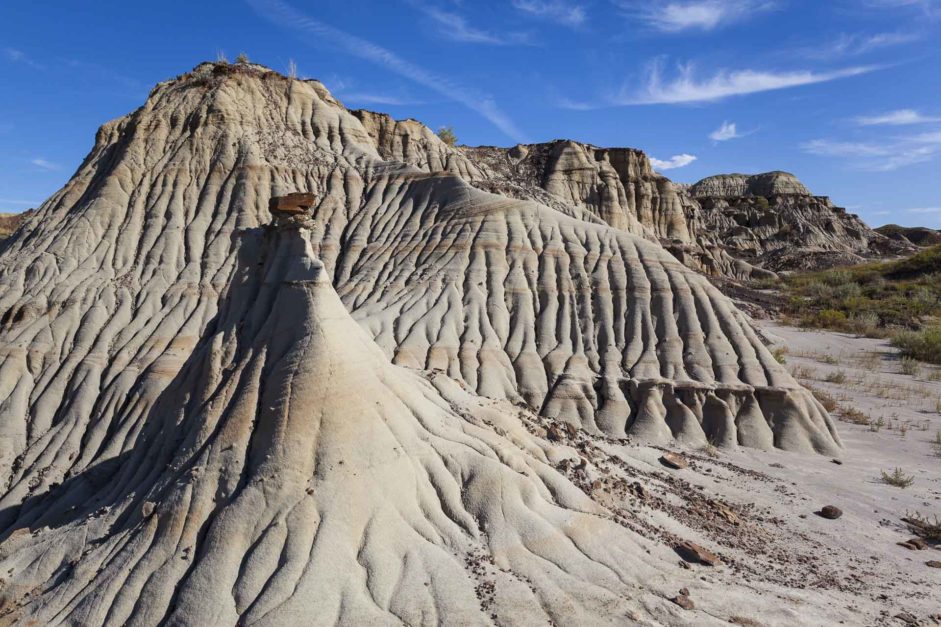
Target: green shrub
866,323
762,202
848,292
897,478
924,345
830,319
446,134
836,278
925,262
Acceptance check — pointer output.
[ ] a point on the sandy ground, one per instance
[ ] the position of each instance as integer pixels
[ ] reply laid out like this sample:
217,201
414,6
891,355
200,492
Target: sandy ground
758,509
857,556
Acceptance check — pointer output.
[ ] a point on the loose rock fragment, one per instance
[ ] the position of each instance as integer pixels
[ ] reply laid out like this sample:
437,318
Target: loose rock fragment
684,601
830,512
674,460
914,544
692,552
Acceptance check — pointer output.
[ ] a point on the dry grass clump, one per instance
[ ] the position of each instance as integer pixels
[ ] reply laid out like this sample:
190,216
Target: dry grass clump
921,526
780,354
829,403
838,377
803,372
897,478
870,361
910,366
853,415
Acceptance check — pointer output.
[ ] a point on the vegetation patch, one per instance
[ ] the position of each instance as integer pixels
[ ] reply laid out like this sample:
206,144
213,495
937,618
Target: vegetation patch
897,478
900,300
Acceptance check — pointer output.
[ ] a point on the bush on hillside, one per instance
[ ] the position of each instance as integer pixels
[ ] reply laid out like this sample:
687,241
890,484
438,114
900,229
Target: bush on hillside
446,134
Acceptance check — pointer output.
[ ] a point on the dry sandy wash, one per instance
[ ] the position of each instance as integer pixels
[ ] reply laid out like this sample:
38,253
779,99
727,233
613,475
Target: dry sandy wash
420,404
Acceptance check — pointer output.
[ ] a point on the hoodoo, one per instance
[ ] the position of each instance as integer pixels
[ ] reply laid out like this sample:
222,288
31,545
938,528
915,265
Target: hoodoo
208,419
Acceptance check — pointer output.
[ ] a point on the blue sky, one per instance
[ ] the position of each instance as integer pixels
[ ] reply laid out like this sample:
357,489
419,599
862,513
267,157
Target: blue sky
844,93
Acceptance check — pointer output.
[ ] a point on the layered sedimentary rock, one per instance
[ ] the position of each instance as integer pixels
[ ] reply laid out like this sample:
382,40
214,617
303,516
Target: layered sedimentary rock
773,221
733,225
205,418
734,186
915,235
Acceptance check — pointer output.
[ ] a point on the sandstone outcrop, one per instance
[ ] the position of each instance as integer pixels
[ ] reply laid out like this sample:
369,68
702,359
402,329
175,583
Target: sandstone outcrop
208,418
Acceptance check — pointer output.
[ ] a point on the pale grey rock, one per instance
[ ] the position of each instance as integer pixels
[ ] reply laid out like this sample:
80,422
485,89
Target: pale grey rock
210,419
738,185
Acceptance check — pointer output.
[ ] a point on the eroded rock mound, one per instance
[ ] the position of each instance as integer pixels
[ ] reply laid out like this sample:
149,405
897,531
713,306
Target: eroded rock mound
773,221
211,420
733,226
916,235
733,186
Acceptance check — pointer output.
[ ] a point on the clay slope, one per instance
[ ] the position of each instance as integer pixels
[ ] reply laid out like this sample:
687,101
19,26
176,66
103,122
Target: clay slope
150,338
290,472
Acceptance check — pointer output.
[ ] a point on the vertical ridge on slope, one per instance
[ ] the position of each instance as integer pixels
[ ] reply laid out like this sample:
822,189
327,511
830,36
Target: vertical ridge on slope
108,289
303,475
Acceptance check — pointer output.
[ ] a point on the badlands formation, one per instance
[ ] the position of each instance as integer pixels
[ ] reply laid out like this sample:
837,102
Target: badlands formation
437,394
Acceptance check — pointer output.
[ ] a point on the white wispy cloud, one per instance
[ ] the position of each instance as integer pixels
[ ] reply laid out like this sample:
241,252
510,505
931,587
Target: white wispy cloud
854,44
687,87
18,56
45,164
455,27
676,161
900,117
286,16
377,99
928,7
559,11
725,132
925,210
676,16
882,156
